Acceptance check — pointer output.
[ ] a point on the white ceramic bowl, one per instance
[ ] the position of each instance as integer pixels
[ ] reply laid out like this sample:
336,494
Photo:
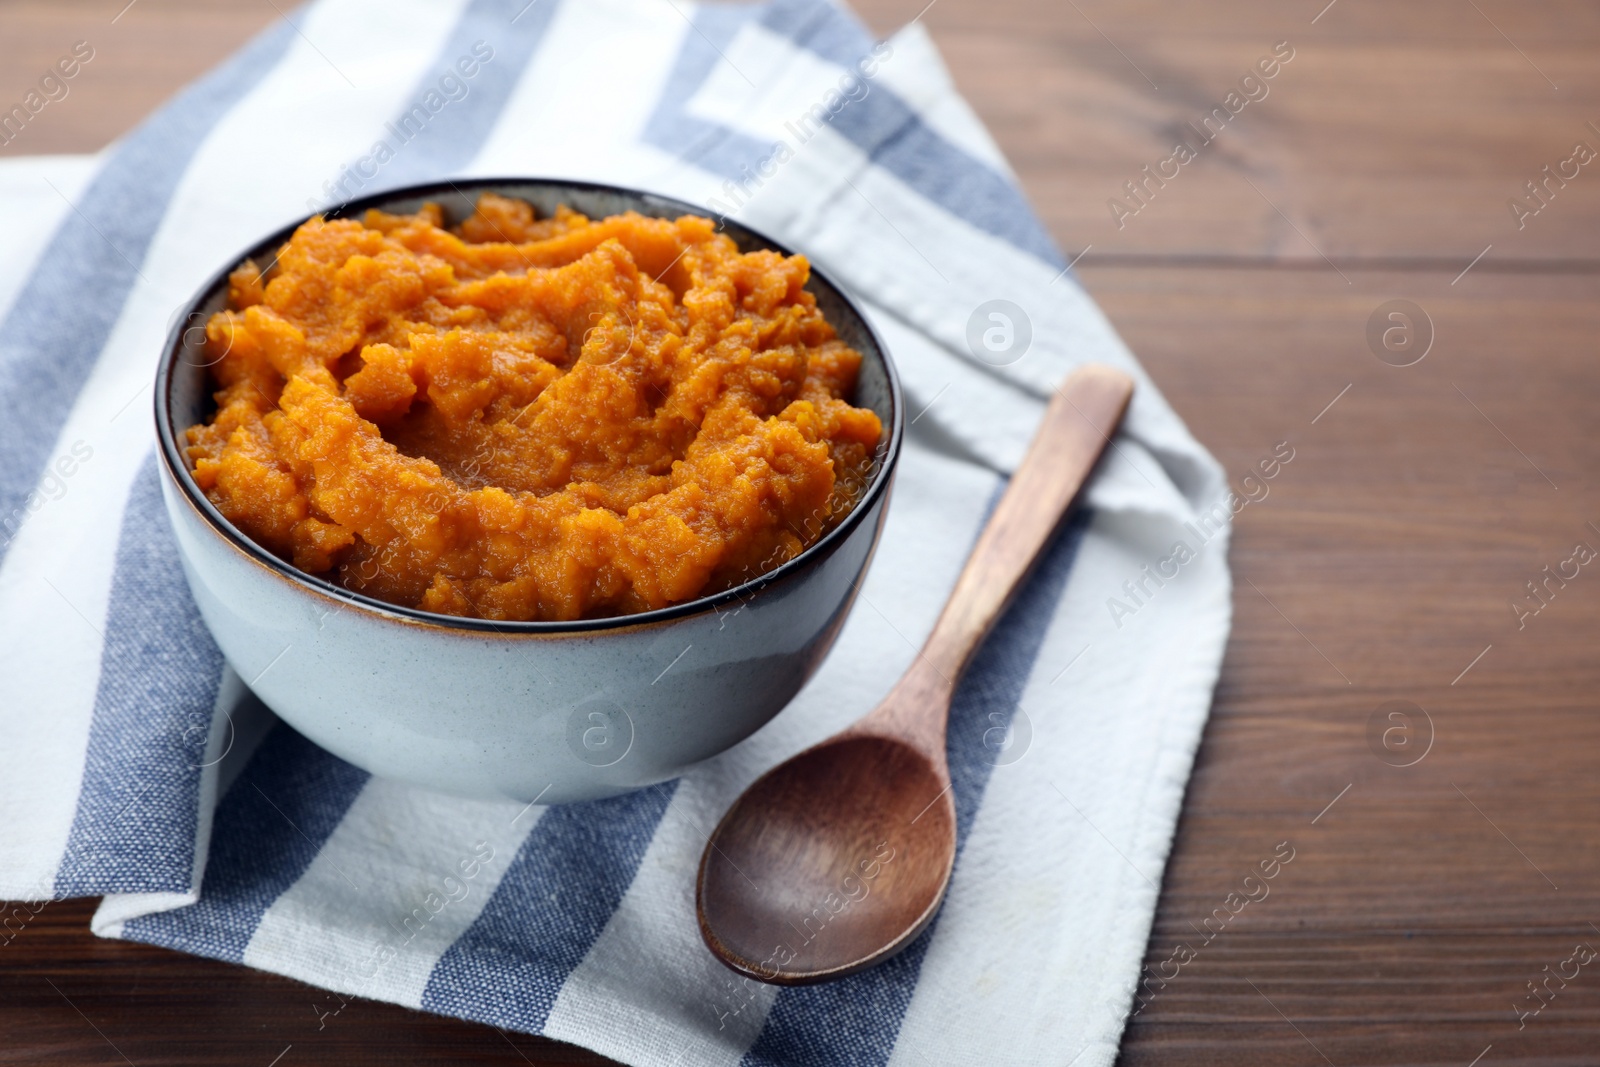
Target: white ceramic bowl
536,710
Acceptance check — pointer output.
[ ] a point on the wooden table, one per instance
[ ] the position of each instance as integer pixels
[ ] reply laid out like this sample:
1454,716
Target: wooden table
1382,567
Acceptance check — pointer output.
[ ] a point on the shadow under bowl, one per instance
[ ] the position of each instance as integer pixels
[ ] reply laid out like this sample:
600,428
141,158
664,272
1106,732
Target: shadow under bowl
548,711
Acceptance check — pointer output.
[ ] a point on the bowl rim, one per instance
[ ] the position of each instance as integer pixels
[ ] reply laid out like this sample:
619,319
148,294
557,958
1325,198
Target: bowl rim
178,469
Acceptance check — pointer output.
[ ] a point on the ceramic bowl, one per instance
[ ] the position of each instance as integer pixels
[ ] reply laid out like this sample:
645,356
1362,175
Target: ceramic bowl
547,711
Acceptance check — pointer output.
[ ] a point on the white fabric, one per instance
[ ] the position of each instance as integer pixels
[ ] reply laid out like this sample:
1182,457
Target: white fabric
1044,930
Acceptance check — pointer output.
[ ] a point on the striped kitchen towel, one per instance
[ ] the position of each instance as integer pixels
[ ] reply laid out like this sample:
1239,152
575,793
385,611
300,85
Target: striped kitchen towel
135,765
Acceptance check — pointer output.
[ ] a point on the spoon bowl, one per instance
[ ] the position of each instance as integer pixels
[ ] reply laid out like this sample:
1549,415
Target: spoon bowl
848,844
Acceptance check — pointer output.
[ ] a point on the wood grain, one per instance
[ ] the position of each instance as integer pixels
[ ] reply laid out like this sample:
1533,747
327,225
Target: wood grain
1388,552
144,52
1398,130
1381,564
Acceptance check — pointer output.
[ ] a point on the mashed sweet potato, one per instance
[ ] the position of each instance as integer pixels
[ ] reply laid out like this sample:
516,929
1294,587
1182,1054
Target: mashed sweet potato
523,418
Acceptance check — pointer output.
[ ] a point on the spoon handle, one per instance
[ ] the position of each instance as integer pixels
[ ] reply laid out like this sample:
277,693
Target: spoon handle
1083,415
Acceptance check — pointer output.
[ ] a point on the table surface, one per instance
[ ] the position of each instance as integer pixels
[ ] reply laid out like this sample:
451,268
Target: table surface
1383,565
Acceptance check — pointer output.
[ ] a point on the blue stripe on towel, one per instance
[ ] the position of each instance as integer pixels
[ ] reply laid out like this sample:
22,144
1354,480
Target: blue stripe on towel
672,129
832,32
52,336
134,829
268,829
897,139
891,134
857,1019
560,891
159,676
449,141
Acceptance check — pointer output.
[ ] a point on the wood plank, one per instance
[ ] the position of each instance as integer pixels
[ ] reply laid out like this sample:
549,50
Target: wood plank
1395,130
152,49
1394,542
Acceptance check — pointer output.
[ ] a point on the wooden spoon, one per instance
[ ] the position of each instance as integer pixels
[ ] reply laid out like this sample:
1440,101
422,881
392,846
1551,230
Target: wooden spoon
836,859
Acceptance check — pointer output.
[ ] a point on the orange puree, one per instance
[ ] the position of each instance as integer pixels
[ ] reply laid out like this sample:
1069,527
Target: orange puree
524,418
